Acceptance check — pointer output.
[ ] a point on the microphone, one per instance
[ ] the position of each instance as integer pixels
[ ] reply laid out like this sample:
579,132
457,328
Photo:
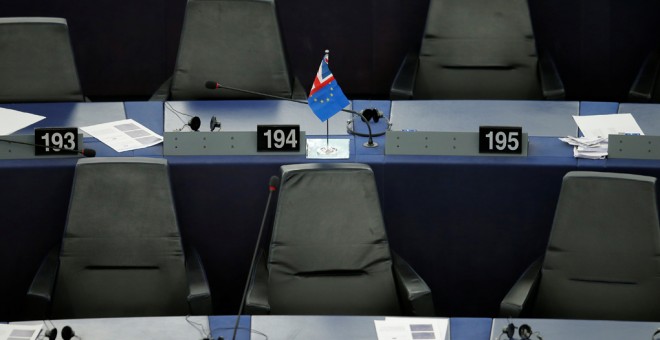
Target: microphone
84,152
272,187
214,85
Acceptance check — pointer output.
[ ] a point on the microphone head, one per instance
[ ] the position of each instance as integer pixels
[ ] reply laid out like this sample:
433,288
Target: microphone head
88,152
212,85
195,123
273,183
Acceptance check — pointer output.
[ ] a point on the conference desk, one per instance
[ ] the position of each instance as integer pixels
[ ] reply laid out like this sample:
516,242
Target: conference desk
468,225
283,327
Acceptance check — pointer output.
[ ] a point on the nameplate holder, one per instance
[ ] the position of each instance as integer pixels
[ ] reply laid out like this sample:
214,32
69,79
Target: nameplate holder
220,143
633,146
10,150
435,143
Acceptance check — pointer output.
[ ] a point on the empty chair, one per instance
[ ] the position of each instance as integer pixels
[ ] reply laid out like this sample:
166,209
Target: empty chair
329,252
121,253
236,43
602,256
477,49
36,61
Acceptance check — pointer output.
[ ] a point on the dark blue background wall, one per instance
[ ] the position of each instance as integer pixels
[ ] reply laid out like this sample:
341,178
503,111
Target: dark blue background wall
126,48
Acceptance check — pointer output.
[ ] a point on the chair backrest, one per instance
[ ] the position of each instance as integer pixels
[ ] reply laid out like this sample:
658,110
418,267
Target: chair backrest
478,49
36,61
329,253
603,255
121,252
234,42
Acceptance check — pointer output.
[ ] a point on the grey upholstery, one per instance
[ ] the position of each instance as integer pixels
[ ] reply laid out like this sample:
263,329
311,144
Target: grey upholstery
477,49
36,61
121,254
602,256
329,252
234,42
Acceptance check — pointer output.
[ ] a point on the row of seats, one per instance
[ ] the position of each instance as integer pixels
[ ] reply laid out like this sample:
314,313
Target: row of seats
476,49
122,255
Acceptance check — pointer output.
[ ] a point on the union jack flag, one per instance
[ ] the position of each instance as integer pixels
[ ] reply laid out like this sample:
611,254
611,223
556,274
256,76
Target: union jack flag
325,97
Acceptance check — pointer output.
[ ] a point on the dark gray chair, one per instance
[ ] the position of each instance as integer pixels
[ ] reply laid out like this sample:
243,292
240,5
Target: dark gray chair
236,43
477,49
121,253
329,253
603,255
645,87
36,61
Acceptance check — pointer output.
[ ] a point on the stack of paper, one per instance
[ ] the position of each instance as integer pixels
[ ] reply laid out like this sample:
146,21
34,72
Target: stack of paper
596,130
586,147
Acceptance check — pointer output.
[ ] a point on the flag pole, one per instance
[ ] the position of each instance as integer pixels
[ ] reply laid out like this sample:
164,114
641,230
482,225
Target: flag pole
327,122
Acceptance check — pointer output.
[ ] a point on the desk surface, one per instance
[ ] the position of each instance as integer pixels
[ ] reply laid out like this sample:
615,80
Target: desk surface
245,115
161,328
537,118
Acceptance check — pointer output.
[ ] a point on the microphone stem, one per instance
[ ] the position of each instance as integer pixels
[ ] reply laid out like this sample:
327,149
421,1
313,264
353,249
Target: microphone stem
371,140
254,258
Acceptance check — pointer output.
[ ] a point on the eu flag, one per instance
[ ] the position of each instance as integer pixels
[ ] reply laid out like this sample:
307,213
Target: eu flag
325,97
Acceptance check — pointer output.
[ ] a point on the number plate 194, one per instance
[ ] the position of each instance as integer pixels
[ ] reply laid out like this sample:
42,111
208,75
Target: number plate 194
278,137
500,139
56,141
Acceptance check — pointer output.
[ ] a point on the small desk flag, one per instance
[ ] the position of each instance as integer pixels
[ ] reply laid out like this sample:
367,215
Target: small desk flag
325,97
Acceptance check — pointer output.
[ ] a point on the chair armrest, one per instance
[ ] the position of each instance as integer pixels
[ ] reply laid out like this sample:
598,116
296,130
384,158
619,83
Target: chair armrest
644,84
298,92
414,293
551,83
404,81
199,293
518,297
40,293
256,299
163,92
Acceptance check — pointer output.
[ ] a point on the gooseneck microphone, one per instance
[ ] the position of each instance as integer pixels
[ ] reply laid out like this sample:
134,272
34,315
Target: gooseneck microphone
85,152
213,85
272,187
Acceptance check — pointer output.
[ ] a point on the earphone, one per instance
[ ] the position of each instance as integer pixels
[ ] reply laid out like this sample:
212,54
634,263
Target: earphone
67,333
524,331
368,114
195,122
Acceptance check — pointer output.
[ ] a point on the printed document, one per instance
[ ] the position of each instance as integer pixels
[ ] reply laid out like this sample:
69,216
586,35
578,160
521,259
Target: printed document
394,328
124,135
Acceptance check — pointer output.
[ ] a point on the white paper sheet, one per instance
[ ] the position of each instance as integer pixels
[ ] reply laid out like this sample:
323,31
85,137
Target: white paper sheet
124,135
604,125
12,120
19,332
393,328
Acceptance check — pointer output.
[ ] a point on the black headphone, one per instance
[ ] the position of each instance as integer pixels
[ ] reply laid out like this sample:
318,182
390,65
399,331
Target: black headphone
368,114
524,331
67,333
195,123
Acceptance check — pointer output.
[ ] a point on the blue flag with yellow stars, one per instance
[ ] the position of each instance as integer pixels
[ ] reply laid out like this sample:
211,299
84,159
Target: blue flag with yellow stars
325,97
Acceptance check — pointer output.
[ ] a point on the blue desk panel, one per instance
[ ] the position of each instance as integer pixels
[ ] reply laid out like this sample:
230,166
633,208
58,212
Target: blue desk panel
224,326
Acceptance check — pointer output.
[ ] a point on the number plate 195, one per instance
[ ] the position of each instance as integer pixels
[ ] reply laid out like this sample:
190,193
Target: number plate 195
500,139
278,137
56,141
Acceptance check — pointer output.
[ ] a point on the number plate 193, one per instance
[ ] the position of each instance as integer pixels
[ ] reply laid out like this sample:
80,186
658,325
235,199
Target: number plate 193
56,141
278,138
500,139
